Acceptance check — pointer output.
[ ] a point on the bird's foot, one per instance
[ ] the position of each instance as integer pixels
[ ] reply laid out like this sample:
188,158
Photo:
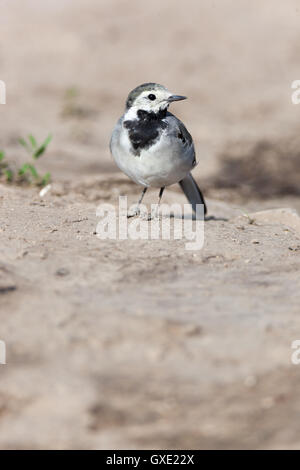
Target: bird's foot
133,213
152,216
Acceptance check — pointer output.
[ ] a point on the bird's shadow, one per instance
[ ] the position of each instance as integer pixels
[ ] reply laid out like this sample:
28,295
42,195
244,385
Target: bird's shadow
193,217
212,217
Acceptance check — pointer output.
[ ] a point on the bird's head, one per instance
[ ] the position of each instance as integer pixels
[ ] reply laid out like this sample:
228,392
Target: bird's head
151,97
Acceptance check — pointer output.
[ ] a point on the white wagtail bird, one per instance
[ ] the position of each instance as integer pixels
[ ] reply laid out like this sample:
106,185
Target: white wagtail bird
152,146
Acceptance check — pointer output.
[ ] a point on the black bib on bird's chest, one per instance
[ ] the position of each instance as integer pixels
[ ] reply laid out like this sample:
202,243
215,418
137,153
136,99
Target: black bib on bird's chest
145,130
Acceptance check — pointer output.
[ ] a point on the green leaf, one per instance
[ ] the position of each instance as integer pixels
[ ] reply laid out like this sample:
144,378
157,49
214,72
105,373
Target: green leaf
9,175
71,92
46,178
2,155
24,144
39,152
42,148
32,141
48,140
33,171
24,168
27,167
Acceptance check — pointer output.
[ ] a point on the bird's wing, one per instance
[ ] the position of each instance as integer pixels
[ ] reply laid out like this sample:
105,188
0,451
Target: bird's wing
188,185
116,133
177,129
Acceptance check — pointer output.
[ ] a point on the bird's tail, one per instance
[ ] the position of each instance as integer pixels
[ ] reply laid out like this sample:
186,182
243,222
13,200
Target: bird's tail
192,192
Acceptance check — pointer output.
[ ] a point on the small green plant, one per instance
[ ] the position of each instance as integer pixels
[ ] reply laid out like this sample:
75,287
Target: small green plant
28,172
251,221
4,168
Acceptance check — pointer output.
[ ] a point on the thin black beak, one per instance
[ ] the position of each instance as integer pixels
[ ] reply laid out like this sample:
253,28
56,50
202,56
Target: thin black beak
176,98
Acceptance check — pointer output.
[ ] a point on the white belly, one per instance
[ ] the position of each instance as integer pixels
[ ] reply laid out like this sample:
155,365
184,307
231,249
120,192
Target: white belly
166,162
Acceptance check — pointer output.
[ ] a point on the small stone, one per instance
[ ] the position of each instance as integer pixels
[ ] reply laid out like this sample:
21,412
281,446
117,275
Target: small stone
45,190
192,330
255,242
62,272
22,254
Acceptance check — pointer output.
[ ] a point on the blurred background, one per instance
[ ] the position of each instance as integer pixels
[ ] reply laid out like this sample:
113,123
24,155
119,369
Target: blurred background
69,66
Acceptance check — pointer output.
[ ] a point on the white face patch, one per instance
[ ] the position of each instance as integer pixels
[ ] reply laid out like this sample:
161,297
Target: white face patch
152,100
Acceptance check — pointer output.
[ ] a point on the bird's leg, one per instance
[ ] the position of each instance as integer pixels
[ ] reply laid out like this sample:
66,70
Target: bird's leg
137,209
161,192
156,212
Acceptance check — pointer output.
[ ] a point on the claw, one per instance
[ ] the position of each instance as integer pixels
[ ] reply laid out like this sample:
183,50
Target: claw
135,213
152,216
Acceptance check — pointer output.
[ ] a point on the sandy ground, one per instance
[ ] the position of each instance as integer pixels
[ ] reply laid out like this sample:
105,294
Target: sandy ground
143,344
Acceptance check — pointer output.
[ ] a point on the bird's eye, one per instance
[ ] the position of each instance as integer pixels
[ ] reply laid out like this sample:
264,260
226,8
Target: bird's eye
152,97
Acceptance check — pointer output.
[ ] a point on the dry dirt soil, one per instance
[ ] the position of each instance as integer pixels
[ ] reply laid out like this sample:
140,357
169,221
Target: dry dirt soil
144,344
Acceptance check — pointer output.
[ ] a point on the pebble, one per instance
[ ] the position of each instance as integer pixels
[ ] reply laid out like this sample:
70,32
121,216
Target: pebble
62,272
